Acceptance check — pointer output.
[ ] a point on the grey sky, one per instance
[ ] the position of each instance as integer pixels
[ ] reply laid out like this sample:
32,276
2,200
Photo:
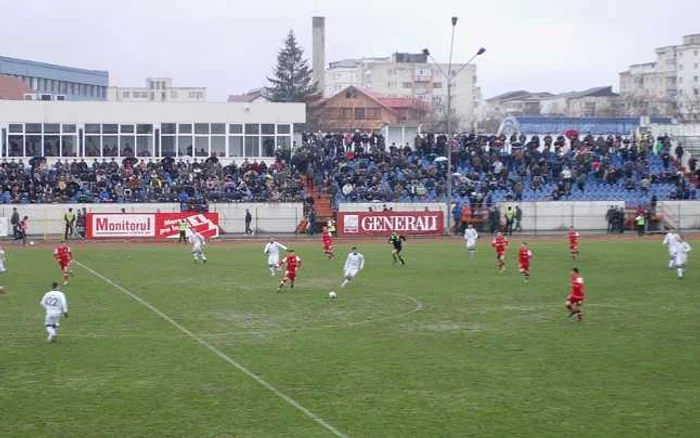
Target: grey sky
230,46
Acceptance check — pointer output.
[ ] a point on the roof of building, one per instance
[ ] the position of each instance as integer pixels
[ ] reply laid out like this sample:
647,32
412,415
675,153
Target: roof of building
12,88
389,103
250,96
605,91
584,125
52,66
520,95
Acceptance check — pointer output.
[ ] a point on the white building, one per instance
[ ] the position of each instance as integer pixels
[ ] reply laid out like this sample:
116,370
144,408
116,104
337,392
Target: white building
408,75
146,130
157,90
670,84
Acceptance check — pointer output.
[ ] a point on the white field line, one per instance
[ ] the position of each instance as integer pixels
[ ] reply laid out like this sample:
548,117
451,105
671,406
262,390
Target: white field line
217,352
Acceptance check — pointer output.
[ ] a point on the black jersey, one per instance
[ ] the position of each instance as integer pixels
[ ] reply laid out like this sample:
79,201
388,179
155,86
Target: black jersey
396,240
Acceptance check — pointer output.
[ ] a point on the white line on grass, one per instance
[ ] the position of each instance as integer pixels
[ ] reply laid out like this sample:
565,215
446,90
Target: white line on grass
217,352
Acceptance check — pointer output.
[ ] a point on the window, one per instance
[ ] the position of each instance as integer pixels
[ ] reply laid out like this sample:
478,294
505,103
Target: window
144,129
127,129
127,143
372,113
695,53
184,146
32,146
268,146
252,146
201,128
359,113
252,129
167,128
283,142
167,146
218,146
92,145
92,128
201,146
680,79
406,85
696,92
60,97
127,95
52,145
268,129
235,146
110,129
144,146
184,128
52,128
16,146
16,128
68,148
218,128
351,94
68,129
283,129
695,78
437,84
680,67
33,128
173,94
110,146
235,129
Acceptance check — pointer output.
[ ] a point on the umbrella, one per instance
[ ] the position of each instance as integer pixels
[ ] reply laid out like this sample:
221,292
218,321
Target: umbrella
571,133
440,159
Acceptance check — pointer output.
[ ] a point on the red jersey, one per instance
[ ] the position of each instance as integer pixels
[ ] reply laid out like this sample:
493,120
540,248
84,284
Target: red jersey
578,291
524,256
327,239
293,263
573,238
500,244
63,253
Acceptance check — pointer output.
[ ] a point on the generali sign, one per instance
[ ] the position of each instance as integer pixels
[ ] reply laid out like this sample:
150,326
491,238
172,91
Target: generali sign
424,223
153,225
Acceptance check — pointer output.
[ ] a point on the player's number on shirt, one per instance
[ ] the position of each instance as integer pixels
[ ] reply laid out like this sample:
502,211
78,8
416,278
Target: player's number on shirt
52,302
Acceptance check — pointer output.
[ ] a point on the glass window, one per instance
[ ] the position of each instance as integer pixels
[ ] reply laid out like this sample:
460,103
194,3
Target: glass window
110,129
33,128
33,146
144,129
218,128
218,146
52,145
283,129
126,95
16,146
252,146
167,128
92,145
72,89
252,128
110,145
235,146
184,128
201,146
92,128
68,148
52,128
126,145
167,146
268,146
268,129
68,129
16,128
201,128
127,129
284,142
184,146
173,94
235,129
144,146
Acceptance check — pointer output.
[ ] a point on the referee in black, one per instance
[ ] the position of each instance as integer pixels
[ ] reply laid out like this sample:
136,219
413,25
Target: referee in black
396,240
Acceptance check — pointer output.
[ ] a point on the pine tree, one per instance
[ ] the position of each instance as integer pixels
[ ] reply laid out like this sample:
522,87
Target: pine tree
292,79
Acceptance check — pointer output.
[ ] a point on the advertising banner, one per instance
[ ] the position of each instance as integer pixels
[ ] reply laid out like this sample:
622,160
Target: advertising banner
368,223
149,225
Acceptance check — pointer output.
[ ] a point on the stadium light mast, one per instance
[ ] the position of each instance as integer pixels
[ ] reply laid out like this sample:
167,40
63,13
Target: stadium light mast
448,77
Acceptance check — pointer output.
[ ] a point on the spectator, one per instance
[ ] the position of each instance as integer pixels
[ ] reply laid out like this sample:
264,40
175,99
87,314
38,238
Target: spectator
14,221
248,220
518,218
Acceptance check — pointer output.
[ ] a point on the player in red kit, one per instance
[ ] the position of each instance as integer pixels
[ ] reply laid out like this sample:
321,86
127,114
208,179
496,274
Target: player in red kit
63,255
574,302
293,263
327,239
574,237
524,257
500,244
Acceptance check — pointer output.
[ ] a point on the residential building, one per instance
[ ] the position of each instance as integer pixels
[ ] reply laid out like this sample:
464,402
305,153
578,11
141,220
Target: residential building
253,96
12,88
408,75
669,85
157,90
56,82
594,102
146,129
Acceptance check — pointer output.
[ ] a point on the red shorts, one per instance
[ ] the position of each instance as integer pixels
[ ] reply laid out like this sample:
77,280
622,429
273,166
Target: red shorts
500,255
573,248
290,275
524,267
574,300
64,264
327,247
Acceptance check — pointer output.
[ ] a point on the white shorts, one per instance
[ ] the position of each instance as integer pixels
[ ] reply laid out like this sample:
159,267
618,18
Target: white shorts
672,254
681,260
197,249
273,261
351,273
2,267
52,319
471,244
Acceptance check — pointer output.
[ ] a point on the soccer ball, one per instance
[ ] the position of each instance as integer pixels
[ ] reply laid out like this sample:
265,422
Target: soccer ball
31,242
333,295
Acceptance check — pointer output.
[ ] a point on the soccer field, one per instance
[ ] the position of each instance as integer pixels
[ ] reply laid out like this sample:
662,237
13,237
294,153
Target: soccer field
156,346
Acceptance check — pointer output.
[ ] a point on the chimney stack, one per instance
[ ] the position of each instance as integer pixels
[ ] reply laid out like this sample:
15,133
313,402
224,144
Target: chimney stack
319,52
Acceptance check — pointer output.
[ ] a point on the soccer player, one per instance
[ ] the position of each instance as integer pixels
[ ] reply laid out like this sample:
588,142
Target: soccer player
524,257
22,230
671,244
396,240
353,265
272,249
500,244
574,238
574,302
682,250
55,304
327,239
293,263
470,236
3,260
198,246
63,255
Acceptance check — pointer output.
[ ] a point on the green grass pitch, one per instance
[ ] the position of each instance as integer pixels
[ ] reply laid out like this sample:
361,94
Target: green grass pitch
443,347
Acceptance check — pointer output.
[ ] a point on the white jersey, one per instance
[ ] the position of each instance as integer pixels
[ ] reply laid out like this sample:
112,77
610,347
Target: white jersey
272,249
671,243
470,235
355,262
54,302
3,258
682,250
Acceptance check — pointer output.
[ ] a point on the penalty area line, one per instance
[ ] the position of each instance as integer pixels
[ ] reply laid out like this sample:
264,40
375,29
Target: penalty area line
217,352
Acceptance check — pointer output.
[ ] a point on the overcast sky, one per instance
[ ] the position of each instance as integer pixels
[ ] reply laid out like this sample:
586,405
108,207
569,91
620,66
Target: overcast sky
230,46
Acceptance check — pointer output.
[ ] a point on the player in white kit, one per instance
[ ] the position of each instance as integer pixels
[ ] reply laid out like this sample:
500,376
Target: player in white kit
353,265
55,304
682,250
272,249
470,236
671,243
3,260
198,246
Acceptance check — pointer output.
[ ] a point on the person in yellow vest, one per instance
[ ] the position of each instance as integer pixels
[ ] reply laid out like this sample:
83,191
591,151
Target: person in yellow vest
331,226
641,223
182,228
510,220
69,219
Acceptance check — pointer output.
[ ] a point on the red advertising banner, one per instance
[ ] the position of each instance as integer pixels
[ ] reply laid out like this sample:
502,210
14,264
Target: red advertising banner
149,225
368,223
